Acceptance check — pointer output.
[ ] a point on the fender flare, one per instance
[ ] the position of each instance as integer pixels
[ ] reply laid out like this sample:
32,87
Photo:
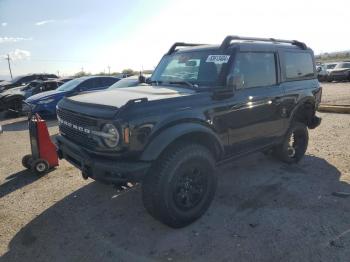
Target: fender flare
160,142
301,103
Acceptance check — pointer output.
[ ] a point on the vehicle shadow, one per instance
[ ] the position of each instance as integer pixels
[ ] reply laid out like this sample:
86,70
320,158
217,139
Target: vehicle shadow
23,125
263,210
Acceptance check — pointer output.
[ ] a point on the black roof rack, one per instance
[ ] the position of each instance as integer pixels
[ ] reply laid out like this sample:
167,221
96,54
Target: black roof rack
177,44
227,41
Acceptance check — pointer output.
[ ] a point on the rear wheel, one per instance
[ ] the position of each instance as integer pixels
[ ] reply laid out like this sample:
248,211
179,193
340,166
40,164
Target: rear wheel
181,185
294,145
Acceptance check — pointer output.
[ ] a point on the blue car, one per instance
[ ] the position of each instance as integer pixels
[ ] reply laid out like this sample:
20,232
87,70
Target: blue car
45,103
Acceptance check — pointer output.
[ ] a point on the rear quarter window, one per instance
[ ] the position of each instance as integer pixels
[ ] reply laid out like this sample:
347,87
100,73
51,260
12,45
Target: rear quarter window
298,65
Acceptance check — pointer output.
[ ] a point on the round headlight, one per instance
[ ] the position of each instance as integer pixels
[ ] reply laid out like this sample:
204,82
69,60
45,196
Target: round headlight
110,135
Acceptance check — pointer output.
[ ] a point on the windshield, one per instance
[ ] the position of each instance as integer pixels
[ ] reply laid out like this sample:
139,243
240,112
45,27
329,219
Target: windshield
70,85
343,65
126,82
331,66
16,79
31,85
200,68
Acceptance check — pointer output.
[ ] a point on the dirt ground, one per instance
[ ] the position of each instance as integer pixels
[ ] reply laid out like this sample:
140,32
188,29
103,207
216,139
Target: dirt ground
336,93
263,210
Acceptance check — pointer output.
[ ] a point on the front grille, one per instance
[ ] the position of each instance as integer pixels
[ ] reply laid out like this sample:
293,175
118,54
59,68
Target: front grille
73,131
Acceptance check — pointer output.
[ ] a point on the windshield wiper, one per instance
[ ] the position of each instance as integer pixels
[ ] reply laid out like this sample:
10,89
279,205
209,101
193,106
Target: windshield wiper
184,83
155,81
175,83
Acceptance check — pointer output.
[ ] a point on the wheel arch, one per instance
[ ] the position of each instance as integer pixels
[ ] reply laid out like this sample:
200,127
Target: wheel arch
193,132
304,111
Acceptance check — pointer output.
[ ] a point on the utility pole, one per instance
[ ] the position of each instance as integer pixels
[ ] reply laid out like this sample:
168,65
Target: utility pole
8,60
109,70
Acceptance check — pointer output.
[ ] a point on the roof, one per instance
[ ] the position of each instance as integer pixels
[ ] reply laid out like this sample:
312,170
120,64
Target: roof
89,77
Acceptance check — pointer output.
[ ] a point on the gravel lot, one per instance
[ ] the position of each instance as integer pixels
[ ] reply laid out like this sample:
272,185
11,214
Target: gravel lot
336,93
263,211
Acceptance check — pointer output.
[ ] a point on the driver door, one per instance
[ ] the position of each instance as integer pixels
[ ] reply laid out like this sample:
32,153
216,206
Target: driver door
254,116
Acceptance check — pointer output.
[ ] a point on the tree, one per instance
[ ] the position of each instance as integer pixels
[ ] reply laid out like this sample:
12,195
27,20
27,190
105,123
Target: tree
129,71
81,73
147,71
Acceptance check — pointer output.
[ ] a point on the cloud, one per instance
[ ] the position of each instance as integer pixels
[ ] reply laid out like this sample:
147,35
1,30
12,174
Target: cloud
18,54
44,22
6,39
3,24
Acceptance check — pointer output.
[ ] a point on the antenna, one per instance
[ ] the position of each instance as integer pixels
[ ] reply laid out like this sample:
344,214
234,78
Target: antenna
8,61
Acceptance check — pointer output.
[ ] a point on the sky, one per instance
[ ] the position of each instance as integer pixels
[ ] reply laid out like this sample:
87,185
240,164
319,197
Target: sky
66,36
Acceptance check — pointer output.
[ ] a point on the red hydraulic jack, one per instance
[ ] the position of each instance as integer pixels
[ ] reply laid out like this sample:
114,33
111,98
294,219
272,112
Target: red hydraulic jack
44,155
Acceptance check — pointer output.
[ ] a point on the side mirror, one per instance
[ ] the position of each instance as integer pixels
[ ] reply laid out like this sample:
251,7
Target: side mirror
235,81
142,79
191,63
231,82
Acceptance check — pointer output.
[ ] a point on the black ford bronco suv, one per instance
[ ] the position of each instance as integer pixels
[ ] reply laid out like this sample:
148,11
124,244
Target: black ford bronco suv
203,106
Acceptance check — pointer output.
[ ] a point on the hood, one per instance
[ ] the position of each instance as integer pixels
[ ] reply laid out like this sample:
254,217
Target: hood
340,69
5,83
119,97
13,91
46,95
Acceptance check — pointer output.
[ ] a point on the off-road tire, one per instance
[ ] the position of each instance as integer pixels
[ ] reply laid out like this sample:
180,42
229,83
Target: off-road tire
293,154
161,184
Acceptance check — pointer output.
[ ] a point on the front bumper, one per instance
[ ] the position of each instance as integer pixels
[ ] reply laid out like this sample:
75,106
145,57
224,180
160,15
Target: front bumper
42,110
27,108
100,168
339,77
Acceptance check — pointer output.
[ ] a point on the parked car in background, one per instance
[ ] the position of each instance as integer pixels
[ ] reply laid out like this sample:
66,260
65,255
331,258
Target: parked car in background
340,72
24,79
129,81
323,71
45,103
11,99
65,79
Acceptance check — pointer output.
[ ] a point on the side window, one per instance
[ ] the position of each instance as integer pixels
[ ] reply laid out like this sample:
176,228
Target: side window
254,70
50,86
37,89
102,82
89,84
298,65
110,81
26,79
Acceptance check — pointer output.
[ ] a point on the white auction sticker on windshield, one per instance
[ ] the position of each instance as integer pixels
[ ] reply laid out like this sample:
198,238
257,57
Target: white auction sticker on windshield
218,59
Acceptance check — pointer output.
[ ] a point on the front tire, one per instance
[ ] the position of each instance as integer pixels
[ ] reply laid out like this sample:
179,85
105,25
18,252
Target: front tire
181,185
294,144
